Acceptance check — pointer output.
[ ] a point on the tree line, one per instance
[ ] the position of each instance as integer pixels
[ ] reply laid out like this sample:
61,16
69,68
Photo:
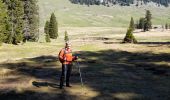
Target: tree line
120,2
144,23
19,21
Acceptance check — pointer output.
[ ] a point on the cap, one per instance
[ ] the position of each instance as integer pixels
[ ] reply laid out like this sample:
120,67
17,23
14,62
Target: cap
68,44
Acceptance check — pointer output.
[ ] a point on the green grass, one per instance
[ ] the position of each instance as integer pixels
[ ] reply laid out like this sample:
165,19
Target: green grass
89,39
80,15
10,52
110,71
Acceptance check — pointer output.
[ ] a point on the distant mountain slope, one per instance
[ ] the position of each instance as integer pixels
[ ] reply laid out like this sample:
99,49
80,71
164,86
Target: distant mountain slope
73,15
121,2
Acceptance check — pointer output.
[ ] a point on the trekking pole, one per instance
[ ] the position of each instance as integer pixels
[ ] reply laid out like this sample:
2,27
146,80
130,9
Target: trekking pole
81,79
65,72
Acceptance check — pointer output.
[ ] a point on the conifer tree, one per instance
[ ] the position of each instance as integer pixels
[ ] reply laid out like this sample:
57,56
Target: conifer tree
19,22
132,25
53,27
46,31
3,15
148,23
129,38
166,26
141,23
47,38
15,21
22,21
66,38
10,23
46,27
31,19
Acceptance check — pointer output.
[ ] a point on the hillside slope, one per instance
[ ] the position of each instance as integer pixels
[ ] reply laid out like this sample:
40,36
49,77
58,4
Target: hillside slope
73,15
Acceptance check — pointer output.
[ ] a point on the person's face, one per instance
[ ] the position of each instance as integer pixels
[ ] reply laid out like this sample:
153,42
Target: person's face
68,46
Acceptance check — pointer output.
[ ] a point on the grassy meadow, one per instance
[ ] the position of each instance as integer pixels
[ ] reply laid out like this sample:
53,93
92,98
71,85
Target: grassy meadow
111,70
98,16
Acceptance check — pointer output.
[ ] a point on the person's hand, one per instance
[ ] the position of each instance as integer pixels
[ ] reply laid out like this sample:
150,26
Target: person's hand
76,57
65,59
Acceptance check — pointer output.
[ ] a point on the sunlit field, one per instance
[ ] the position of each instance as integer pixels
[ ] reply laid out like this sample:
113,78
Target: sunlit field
110,69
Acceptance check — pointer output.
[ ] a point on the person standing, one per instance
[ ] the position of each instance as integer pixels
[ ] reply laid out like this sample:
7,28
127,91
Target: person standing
66,58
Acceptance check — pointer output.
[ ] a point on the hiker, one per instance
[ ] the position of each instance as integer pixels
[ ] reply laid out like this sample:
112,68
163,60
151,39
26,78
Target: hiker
66,58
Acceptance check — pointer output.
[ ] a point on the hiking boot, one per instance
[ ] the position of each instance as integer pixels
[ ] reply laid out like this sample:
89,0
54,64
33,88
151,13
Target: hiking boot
68,85
61,87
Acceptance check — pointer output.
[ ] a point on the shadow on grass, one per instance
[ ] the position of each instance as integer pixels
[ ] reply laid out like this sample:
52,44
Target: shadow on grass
159,43
43,67
135,75
153,44
114,75
45,84
31,95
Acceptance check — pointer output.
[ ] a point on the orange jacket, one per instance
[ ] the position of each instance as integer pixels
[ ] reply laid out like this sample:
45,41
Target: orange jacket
65,56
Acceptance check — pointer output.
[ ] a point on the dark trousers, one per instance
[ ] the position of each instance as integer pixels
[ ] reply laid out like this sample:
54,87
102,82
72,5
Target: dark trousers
65,75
